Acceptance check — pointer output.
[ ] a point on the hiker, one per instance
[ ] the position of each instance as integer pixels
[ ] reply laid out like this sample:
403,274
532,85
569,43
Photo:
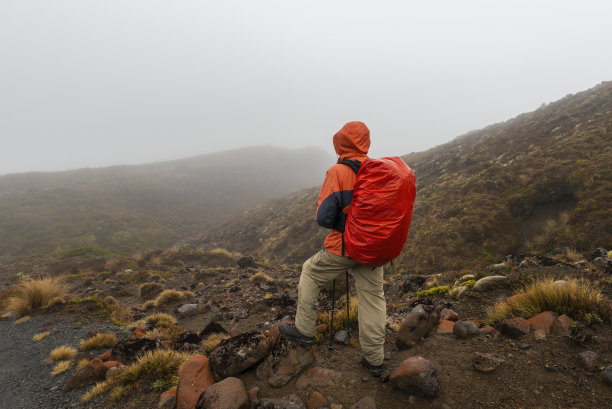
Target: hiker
351,143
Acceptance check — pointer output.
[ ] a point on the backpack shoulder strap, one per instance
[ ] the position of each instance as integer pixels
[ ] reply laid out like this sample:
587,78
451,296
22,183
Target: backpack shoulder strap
353,164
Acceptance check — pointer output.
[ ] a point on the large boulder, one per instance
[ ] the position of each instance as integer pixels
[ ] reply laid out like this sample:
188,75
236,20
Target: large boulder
195,377
237,354
286,361
416,376
543,320
419,323
230,393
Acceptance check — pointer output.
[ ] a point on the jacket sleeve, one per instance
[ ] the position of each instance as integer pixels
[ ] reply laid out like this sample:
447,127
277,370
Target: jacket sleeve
328,205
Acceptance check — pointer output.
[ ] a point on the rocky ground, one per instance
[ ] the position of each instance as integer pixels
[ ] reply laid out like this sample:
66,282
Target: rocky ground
524,371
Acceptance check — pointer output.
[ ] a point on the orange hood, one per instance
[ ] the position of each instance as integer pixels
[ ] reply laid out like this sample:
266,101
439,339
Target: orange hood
352,141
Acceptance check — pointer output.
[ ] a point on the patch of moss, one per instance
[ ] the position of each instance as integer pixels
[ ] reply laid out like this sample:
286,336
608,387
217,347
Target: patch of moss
468,283
443,289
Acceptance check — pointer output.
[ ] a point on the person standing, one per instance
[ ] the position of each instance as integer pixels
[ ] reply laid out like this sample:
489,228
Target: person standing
351,143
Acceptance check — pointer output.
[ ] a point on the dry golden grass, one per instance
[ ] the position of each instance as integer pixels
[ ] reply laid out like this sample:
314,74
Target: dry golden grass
160,365
570,255
160,320
63,353
231,282
159,333
210,342
574,297
23,319
98,341
149,305
260,277
33,294
168,296
340,315
82,363
40,336
60,368
149,290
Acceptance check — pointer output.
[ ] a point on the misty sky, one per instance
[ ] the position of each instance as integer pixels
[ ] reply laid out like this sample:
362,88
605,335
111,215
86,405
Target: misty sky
94,83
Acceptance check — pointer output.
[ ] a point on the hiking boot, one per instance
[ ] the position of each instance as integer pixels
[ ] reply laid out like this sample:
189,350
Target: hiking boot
375,370
290,332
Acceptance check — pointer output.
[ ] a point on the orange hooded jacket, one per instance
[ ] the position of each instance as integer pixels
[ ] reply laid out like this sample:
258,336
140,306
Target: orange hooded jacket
351,143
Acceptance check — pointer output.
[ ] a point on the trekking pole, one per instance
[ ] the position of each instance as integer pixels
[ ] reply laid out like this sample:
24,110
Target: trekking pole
331,326
348,313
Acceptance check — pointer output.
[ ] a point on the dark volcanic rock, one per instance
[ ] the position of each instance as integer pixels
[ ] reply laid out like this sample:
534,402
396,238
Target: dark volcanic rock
237,354
416,375
246,262
286,360
89,374
287,402
419,323
514,327
599,252
212,328
465,329
128,350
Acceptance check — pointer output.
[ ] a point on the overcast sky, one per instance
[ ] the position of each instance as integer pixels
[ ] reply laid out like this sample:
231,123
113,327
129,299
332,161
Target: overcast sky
95,83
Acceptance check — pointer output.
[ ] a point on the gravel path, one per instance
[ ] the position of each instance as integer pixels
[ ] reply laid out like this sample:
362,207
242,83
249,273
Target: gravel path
25,380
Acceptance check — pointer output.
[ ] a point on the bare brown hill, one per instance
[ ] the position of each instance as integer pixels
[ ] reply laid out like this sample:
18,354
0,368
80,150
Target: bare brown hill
539,182
125,209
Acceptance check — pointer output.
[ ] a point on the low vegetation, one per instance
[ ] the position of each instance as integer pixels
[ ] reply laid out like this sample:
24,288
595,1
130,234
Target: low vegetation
210,342
340,318
443,289
60,368
160,320
159,366
261,277
98,341
63,353
31,295
38,337
169,296
149,290
572,296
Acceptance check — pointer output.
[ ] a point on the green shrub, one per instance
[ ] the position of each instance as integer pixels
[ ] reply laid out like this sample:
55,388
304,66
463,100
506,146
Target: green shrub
433,291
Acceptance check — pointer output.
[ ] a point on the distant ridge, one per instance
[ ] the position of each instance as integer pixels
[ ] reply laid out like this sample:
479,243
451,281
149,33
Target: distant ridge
132,208
541,181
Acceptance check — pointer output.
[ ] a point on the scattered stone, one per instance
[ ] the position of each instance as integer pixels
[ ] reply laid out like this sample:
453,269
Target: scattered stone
318,377
413,283
607,375
447,314
539,334
91,373
287,402
488,330
498,267
212,328
286,360
588,360
605,264
437,404
253,393
465,329
128,350
166,399
524,346
411,399
445,327
187,338
561,325
419,323
485,362
543,320
486,283
229,393
456,292
335,406
114,372
599,252
195,377
271,334
237,354
514,327
341,337
104,356
416,375
316,401
366,402
187,310
246,262
463,279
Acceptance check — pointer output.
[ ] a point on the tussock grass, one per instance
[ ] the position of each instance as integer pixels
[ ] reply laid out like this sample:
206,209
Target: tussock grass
23,319
98,341
168,296
149,290
570,255
160,320
82,362
63,353
575,297
60,368
210,342
340,315
149,305
40,336
160,366
159,333
34,294
261,277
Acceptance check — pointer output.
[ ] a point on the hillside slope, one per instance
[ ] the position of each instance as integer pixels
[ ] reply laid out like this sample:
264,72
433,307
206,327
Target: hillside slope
131,208
539,182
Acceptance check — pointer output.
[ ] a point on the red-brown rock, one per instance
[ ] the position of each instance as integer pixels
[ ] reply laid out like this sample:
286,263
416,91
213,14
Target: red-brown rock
317,401
91,373
445,327
105,356
488,330
166,399
448,314
419,323
112,364
416,375
561,326
514,327
543,320
230,393
272,335
317,376
195,377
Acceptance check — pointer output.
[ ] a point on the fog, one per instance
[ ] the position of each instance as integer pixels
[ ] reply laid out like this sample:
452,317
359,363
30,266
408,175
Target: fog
96,83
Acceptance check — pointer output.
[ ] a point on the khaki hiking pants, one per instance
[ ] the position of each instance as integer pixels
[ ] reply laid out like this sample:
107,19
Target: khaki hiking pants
372,312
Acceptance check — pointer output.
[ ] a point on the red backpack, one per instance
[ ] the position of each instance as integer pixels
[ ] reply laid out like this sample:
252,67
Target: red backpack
380,212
